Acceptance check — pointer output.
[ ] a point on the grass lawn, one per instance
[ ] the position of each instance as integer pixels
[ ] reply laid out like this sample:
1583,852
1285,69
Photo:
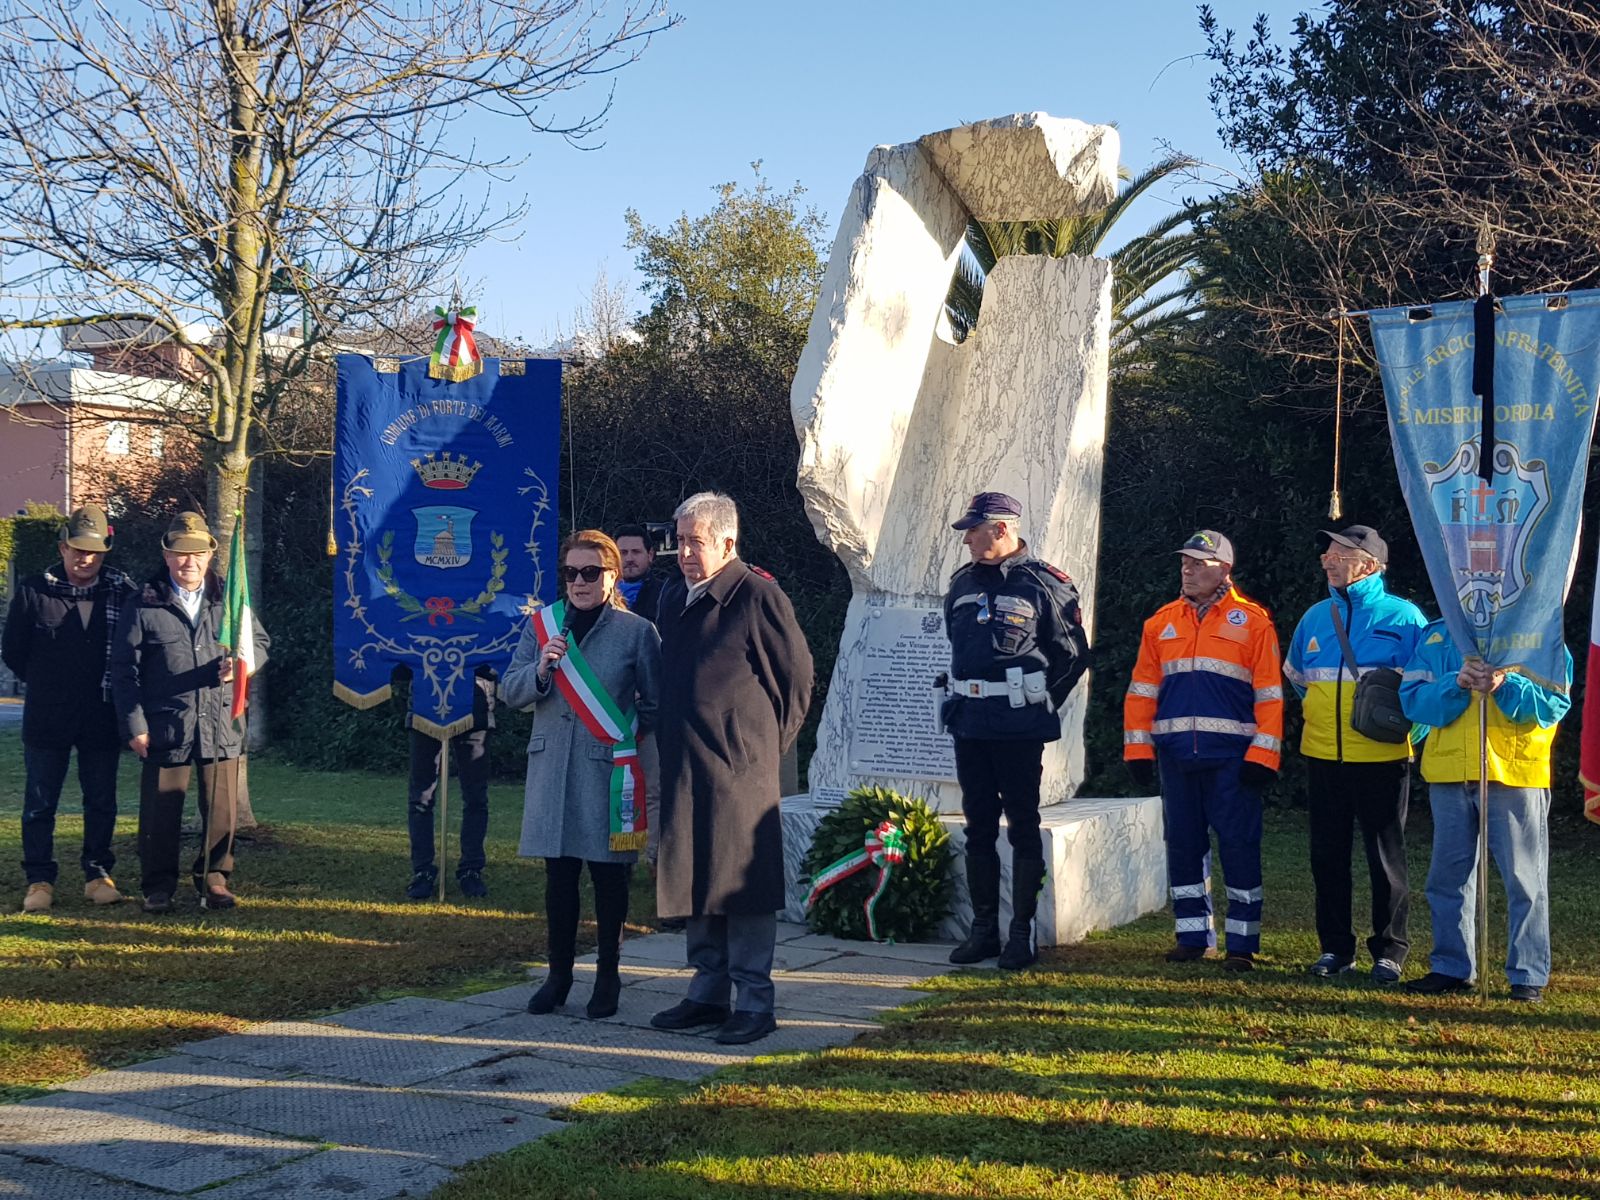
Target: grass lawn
322,925
1107,1073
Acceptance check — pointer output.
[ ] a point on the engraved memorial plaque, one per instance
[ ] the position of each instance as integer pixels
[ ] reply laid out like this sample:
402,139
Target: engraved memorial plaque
895,709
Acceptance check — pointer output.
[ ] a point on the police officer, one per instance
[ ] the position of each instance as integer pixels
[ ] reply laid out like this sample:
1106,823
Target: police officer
1017,647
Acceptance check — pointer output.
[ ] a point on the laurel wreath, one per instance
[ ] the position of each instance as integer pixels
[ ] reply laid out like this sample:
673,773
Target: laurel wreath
918,896
413,607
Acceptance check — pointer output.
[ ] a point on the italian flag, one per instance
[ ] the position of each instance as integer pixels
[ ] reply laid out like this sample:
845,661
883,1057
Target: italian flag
238,621
1589,766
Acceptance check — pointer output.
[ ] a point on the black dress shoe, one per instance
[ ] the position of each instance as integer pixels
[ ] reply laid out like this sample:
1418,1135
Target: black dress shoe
1528,993
745,1027
1435,984
690,1014
158,902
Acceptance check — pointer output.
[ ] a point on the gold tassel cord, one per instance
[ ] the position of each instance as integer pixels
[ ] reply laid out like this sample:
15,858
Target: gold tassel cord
1335,503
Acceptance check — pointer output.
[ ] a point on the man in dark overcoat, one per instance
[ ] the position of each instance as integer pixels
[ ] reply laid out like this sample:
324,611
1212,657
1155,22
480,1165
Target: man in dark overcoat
736,684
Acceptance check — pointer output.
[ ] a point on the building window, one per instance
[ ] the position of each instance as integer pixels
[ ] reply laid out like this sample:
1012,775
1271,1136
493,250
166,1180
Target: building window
158,441
117,437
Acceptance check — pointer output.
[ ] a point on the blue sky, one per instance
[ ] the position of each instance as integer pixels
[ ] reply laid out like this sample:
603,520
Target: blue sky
808,89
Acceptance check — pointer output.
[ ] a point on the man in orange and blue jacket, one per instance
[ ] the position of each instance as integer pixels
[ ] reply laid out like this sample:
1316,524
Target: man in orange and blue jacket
1206,707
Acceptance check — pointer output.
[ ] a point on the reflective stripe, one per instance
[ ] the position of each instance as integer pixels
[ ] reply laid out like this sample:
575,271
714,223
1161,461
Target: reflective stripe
1193,924
1203,725
1425,676
1269,693
1243,927
1189,891
1152,690
1136,737
1335,674
1244,895
1293,675
1265,741
1216,666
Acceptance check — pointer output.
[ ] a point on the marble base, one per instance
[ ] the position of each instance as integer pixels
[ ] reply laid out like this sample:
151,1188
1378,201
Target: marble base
1107,866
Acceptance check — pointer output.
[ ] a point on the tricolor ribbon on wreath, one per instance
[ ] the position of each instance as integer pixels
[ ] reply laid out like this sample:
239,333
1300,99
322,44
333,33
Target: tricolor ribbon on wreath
455,354
603,717
885,848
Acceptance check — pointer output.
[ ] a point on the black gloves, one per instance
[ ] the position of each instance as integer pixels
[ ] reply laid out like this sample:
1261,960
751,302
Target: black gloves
1256,777
1143,773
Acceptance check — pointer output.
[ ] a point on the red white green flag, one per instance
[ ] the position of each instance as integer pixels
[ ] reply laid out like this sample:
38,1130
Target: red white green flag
238,633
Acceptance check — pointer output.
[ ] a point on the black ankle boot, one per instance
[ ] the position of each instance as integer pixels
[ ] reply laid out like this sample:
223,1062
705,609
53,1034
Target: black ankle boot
1027,877
610,911
552,993
607,990
983,885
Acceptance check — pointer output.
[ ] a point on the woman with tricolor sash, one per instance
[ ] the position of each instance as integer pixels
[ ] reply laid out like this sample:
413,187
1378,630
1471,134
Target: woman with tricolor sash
589,669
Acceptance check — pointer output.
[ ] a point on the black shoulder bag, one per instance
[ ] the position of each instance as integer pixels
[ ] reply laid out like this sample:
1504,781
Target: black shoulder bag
1375,711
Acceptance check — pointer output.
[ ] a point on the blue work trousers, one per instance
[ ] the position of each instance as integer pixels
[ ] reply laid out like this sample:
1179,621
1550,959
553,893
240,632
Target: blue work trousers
1199,796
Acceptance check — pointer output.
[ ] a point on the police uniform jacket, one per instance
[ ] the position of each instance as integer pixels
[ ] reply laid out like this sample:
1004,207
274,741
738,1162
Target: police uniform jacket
1206,687
166,676
1019,612
1383,631
735,687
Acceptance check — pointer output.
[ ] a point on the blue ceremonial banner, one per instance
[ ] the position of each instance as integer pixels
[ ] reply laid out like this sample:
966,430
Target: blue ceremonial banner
446,526
1499,551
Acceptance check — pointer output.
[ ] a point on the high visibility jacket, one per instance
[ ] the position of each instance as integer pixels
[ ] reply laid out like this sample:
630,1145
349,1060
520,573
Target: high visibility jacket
1522,718
1206,687
1383,631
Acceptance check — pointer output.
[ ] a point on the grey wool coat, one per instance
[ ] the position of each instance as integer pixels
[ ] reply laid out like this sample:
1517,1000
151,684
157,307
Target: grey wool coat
567,805
736,683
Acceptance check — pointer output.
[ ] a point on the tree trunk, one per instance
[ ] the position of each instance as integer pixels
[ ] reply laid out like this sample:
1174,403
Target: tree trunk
230,495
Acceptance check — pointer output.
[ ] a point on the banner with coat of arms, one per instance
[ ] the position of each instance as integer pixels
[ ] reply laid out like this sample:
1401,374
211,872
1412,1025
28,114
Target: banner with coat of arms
445,495
1500,544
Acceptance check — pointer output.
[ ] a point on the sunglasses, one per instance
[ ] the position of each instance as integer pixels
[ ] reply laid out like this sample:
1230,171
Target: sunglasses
587,574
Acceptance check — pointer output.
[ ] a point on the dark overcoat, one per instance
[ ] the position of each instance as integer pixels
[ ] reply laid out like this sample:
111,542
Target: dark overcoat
166,676
735,686
63,662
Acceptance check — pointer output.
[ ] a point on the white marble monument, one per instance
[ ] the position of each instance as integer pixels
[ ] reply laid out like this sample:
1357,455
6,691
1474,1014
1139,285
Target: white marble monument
900,426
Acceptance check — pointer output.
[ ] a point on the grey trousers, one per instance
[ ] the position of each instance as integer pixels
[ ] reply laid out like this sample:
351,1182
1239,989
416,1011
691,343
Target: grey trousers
733,950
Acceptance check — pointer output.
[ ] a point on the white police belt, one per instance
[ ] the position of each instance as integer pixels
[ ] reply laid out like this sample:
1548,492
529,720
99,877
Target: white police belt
1018,687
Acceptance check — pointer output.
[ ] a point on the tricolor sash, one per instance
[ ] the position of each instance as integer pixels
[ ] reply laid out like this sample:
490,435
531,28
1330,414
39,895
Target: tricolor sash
602,717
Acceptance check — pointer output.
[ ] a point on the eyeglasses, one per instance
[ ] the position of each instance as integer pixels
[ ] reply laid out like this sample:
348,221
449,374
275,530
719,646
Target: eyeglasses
587,574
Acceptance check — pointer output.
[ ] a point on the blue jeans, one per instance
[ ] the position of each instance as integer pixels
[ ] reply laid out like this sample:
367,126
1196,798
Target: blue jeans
1519,839
46,768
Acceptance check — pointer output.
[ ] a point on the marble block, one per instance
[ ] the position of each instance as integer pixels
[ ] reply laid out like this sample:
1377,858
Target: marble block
1107,866
899,425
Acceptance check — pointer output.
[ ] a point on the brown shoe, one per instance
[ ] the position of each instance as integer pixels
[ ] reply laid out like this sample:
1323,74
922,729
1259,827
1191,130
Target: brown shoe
215,893
1239,963
1187,954
39,898
102,890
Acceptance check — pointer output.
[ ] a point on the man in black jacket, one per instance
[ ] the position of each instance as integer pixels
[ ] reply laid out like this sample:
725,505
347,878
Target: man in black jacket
641,583
736,683
58,634
172,681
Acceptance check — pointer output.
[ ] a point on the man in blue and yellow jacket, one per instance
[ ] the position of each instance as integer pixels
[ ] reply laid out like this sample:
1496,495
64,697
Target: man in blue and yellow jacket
1523,712
1350,776
1206,706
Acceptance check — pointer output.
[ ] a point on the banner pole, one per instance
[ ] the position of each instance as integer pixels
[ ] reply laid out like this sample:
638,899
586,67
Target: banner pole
1483,845
444,811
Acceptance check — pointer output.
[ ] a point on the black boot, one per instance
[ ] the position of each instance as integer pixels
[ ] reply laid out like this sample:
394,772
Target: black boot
1027,877
561,928
610,911
983,885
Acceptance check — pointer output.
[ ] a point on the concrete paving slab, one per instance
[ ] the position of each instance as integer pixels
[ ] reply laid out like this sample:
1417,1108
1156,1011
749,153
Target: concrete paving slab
828,993
331,1174
614,1047
172,1082
933,953
435,1127
417,1015
26,1179
354,1056
631,970
107,1135
664,948
513,997
789,930
527,1083
869,968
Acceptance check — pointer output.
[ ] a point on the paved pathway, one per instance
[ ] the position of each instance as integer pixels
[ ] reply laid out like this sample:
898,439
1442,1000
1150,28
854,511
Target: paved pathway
388,1099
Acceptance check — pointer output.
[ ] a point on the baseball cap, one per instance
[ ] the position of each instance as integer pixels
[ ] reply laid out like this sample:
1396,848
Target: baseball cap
989,506
1362,537
1208,543
87,529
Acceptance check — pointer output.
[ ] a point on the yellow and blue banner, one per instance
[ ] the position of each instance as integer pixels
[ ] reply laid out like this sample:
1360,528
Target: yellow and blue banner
445,498
1499,533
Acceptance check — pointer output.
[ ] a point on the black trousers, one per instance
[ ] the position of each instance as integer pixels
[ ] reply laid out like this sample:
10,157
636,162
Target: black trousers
561,907
162,791
1000,777
469,767
46,768
1376,794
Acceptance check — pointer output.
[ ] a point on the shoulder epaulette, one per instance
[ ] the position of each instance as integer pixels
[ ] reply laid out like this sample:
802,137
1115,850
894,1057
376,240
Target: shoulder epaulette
764,574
